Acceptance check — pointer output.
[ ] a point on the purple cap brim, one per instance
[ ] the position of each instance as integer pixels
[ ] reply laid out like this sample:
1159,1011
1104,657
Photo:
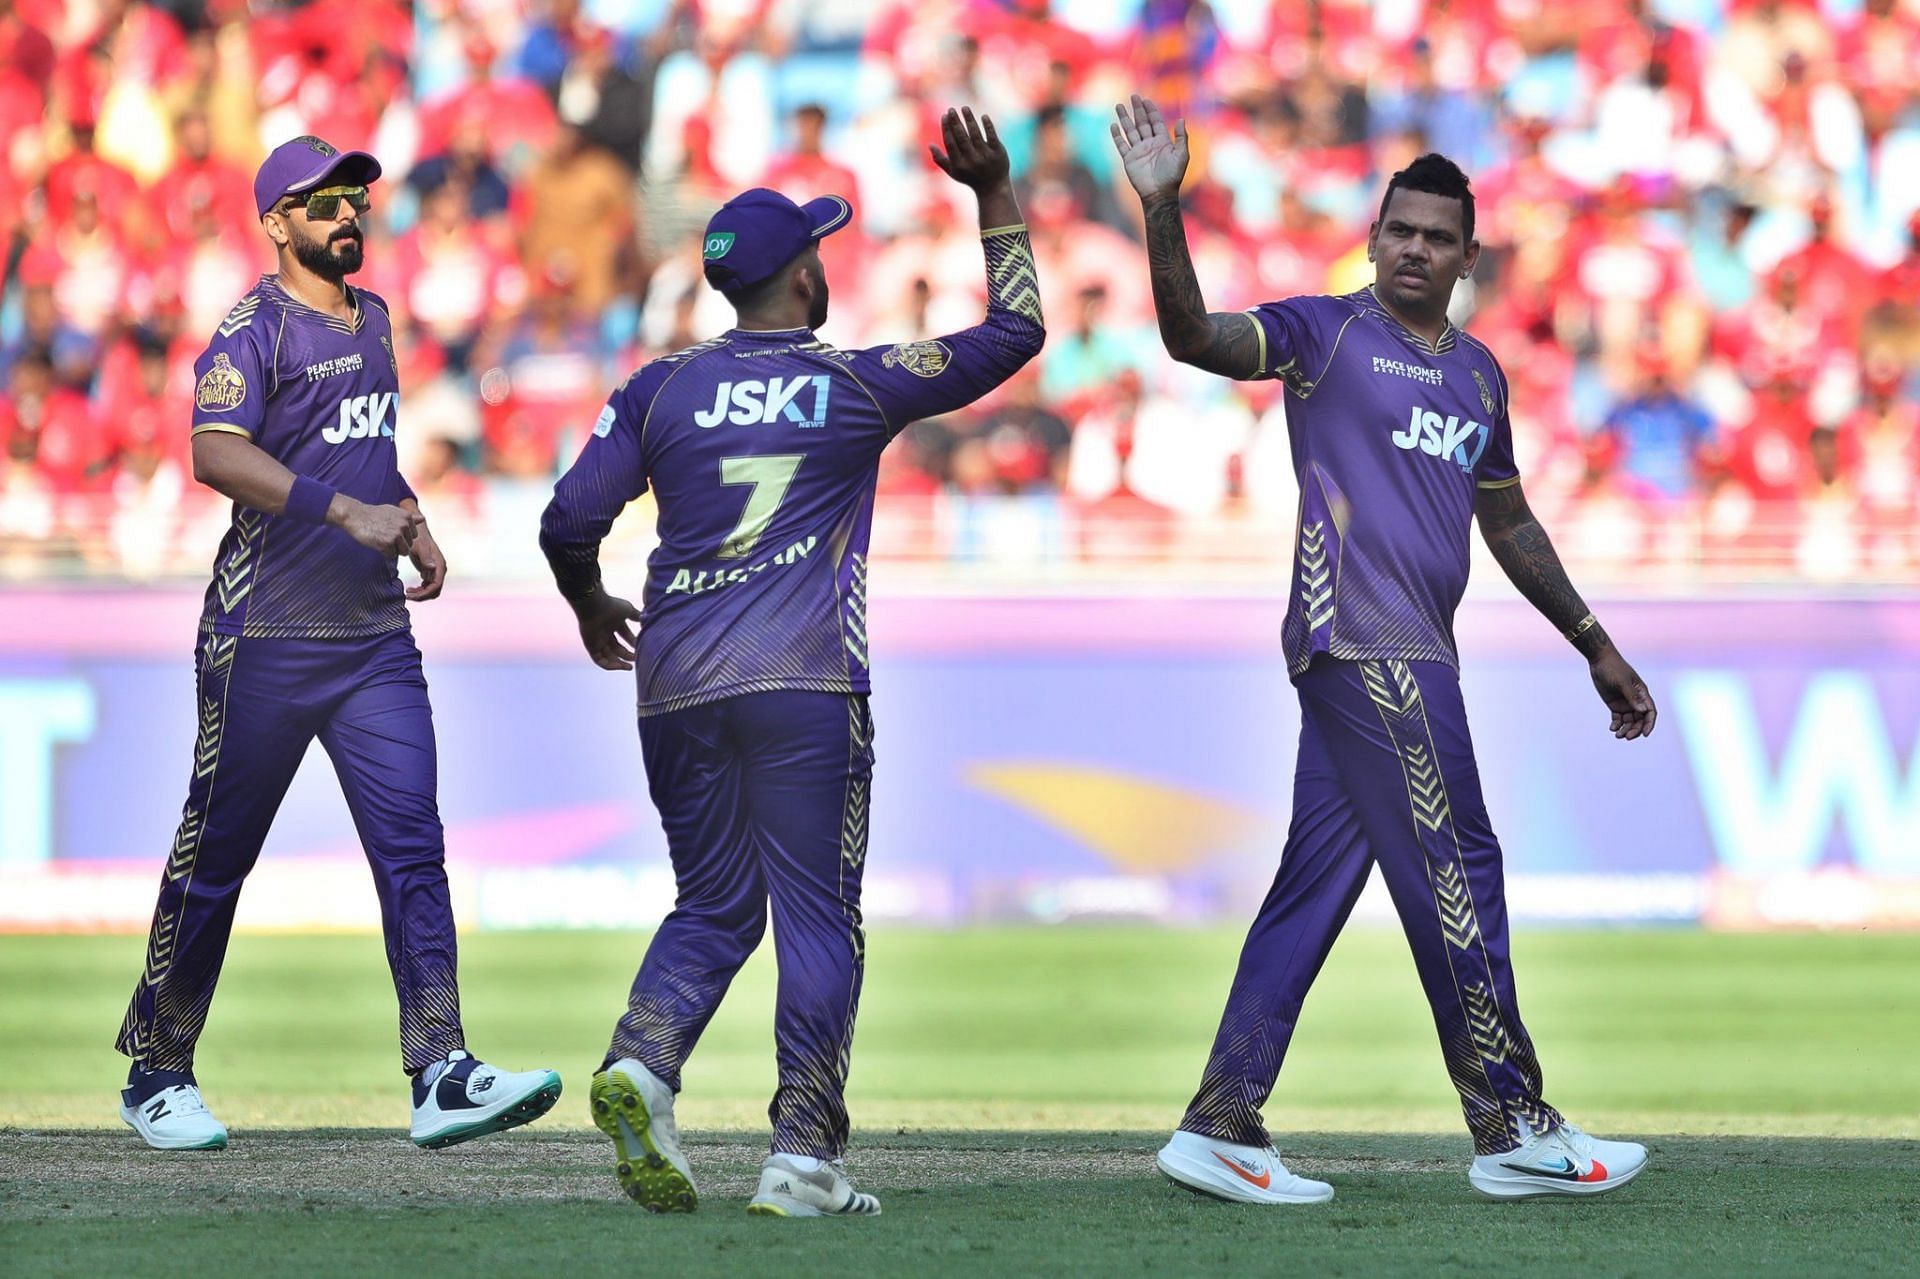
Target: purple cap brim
356,168
827,214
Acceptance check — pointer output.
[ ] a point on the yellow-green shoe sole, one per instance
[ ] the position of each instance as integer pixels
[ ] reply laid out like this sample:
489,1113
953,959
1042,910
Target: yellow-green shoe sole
647,1176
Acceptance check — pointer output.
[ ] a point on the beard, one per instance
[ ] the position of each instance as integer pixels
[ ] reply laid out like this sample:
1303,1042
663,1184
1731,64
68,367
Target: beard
324,261
817,309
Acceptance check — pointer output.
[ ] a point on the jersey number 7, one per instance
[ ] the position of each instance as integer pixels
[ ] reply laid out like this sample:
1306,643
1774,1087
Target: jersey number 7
770,476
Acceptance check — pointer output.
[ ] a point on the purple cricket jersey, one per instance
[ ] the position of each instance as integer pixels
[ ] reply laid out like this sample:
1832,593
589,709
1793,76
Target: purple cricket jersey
1391,439
762,450
322,397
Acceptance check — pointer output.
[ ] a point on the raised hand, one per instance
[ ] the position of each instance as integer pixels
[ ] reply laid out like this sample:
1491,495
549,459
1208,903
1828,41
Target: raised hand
1625,694
974,155
1154,156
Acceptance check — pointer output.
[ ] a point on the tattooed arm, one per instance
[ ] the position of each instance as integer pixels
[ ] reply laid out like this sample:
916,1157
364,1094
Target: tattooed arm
1155,159
1527,556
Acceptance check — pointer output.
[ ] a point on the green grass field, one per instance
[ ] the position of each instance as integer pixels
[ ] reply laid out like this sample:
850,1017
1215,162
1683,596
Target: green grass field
1009,1087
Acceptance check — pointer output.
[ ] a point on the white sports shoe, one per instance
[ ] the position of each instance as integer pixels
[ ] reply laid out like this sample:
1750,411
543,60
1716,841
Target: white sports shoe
463,1098
789,1190
634,1106
1564,1161
1244,1174
174,1118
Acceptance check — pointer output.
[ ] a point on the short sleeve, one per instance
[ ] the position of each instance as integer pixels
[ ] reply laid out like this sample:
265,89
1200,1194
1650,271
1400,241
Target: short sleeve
1293,341
1495,468
232,379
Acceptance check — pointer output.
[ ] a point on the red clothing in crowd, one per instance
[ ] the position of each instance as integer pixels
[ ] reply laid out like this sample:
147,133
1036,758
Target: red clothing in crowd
1767,455
69,437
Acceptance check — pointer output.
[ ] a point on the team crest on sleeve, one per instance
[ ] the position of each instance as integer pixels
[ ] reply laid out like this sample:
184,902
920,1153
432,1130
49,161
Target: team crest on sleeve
391,360
222,388
1486,393
922,359
603,425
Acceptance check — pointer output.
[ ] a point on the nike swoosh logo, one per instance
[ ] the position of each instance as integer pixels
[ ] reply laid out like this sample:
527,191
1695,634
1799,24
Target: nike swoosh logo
1569,1173
1264,1180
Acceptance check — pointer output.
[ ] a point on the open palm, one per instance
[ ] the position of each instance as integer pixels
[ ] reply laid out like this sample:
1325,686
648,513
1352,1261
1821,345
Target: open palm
1154,156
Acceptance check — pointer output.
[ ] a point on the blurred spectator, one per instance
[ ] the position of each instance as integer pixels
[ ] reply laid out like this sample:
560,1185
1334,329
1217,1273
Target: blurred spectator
1056,175
611,105
452,282
577,216
546,380
467,161
1660,435
1022,444
46,333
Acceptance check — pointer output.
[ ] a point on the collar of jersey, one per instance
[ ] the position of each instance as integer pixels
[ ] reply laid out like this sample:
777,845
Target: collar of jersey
346,326
1447,335
765,335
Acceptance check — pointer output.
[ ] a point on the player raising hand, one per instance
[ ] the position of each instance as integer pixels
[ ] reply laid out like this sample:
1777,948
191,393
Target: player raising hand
1400,440
762,448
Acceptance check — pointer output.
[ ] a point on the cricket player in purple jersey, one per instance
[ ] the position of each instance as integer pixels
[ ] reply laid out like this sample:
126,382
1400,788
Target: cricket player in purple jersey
762,448
1400,436
304,634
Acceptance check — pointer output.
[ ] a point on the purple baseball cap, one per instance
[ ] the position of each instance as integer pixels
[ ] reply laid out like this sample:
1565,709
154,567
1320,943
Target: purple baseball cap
759,231
305,163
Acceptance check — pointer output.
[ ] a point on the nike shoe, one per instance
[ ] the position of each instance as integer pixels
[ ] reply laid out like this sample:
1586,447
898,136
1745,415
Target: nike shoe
794,1187
1244,1174
165,1108
1564,1161
462,1098
634,1106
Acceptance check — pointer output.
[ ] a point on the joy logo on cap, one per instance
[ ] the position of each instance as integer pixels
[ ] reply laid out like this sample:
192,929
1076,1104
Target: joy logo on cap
719,244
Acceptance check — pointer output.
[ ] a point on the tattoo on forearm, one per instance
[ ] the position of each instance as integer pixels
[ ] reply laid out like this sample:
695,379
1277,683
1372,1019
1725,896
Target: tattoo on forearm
1224,343
1526,554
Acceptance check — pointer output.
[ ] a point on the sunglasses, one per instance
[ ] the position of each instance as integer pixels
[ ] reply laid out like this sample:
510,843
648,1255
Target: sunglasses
324,205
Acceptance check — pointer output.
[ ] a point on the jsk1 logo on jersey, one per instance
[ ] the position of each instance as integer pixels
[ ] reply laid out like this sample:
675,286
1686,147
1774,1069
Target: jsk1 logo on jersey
1459,442
764,403
363,417
222,388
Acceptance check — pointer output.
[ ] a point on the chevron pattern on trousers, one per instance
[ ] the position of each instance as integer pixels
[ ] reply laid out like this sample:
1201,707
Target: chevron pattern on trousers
853,821
1483,1022
1392,687
1425,788
1457,921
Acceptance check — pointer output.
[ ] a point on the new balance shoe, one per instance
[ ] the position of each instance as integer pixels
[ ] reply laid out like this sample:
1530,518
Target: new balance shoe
462,1098
792,1186
1564,1161
634,1107
165,1108
1244,1174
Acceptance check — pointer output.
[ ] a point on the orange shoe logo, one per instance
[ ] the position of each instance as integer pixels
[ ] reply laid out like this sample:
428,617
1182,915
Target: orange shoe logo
1597,1173
1245,1174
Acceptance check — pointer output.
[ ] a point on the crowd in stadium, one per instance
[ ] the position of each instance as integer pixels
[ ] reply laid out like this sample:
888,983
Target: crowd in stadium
1701,222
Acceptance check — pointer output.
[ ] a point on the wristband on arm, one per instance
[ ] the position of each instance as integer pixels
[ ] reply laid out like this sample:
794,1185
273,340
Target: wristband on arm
308,501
